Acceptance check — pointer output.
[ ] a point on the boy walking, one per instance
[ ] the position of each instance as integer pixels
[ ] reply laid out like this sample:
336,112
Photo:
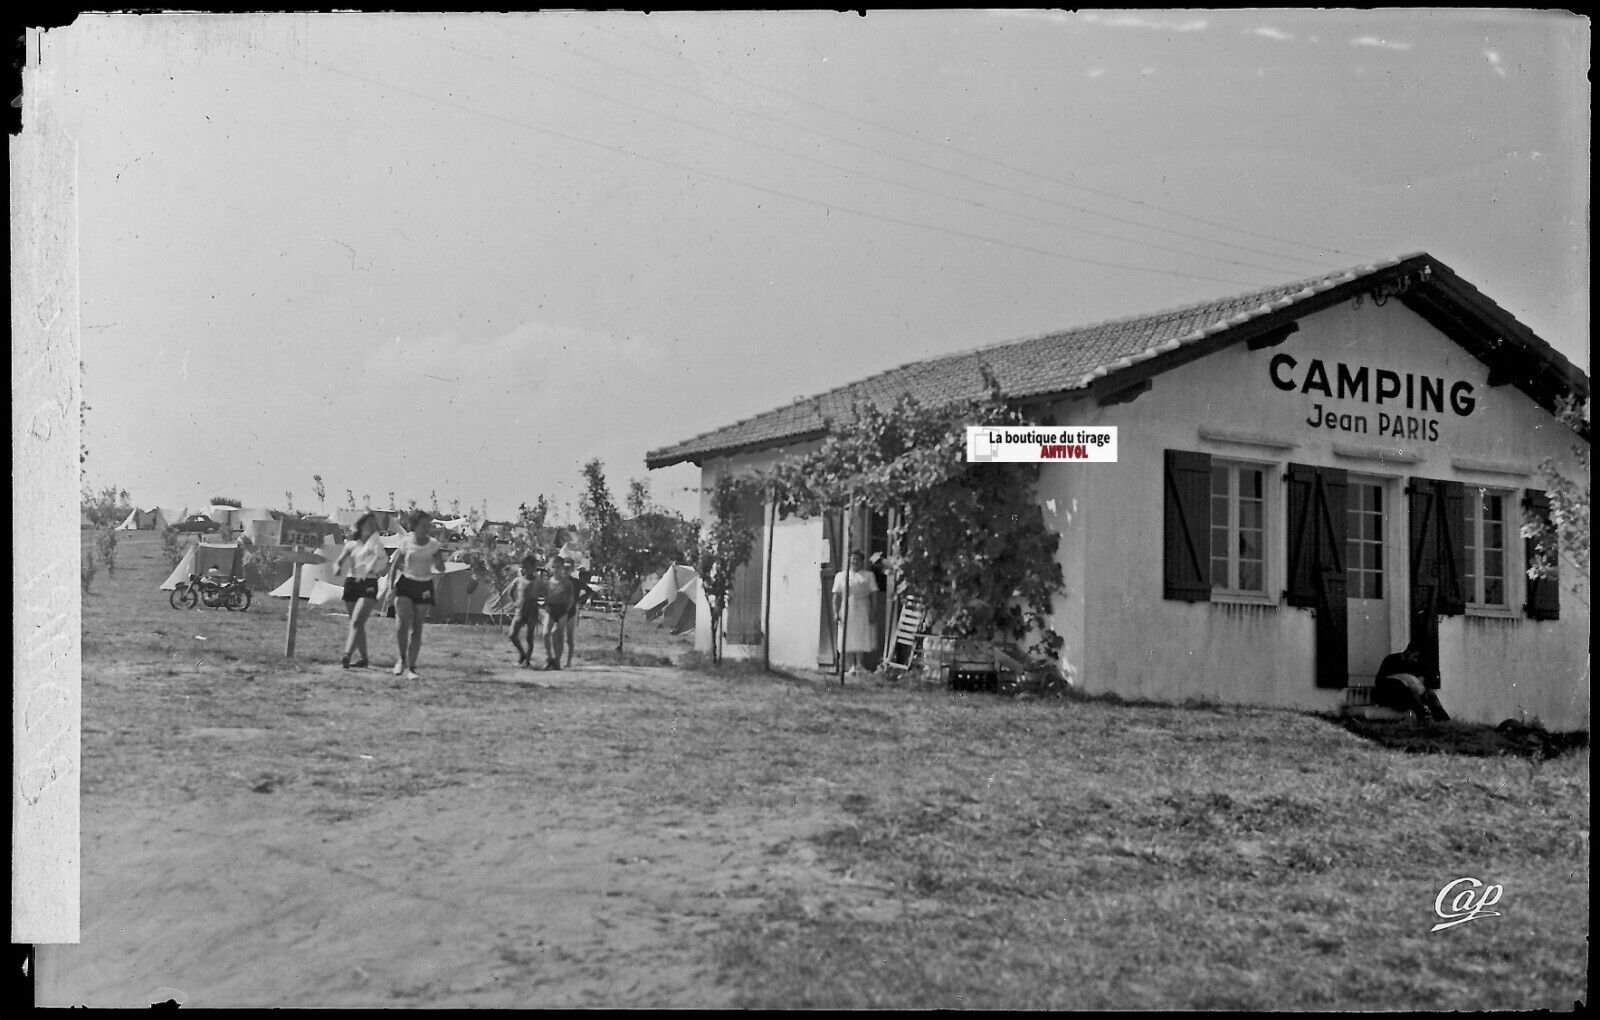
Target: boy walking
525,593
560,600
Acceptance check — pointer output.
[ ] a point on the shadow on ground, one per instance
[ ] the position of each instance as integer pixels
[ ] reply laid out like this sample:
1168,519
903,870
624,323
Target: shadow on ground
1477,740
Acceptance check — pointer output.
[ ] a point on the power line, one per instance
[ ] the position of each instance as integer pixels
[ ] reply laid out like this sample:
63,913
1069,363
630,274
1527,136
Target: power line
1007,166
841,168
745,184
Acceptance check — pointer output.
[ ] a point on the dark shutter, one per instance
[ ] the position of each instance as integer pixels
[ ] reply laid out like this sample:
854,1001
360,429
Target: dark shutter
1316,564
1452,506
1424,502
1186,526
1329,517
1302,558
1544,593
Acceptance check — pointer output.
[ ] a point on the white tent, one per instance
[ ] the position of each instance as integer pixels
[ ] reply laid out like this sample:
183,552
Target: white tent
132,521
312,574
674,599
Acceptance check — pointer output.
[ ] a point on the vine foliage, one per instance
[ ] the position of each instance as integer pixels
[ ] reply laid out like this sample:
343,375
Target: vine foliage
971,540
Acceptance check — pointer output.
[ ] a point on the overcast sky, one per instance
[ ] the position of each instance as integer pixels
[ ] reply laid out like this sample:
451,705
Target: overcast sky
464,254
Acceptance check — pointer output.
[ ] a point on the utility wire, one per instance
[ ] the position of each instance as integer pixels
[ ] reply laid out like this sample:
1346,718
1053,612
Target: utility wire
842,168
745,184
918,163
1007,166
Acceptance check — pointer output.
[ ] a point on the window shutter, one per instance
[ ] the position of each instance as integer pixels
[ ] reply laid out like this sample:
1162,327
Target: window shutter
1544,593
1186,526
1452,505
1423,506
1302,558
1333,617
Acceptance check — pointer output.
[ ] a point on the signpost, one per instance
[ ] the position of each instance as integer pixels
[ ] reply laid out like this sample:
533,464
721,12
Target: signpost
301,557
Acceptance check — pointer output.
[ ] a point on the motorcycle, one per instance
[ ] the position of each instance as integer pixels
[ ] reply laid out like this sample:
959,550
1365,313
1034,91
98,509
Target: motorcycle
232,594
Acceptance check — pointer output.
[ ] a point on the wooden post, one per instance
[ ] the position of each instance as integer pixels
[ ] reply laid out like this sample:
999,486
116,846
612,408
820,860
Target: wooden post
301,558
844,617
766,611
294,610
888,595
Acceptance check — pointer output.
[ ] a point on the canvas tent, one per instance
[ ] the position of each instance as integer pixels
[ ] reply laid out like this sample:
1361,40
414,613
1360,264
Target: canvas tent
201,557
318,583
457,595
261,528
673,599
131,522
152,520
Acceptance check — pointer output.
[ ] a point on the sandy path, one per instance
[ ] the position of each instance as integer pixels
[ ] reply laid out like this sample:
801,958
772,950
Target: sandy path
449,896
472,895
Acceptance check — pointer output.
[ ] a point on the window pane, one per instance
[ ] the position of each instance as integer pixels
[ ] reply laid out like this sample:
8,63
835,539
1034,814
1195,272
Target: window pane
1250,514
1250,545
1219,481
1494,593
1493,508
1249,483
1250,575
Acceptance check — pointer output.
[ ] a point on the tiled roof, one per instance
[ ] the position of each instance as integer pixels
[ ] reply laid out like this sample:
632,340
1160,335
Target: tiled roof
1054,363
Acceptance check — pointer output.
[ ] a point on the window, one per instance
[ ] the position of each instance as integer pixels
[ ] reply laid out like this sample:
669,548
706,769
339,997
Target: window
1484,547
1238,529
1364,540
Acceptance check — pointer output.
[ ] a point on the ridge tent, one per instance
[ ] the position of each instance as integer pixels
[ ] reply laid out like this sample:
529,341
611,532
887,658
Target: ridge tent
673,598
310,576
457,595
261,528
131,522
201,557
153,519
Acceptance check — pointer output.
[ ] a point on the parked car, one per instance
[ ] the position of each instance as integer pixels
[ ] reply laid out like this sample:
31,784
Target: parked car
196,524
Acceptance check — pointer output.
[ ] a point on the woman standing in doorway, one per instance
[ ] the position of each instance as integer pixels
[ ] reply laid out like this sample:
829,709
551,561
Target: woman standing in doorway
362,561
417,559
859,586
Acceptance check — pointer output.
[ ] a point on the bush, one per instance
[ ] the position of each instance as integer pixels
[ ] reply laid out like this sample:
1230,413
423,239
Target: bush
106,543
171,548
86,573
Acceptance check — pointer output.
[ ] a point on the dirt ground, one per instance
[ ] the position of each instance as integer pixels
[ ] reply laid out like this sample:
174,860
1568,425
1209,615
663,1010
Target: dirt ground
264,832
256,833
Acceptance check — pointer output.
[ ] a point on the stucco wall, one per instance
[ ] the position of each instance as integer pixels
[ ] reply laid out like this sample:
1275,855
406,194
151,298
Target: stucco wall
796,556
1133,641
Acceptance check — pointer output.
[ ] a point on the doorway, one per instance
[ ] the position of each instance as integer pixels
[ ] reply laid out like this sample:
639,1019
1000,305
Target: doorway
1368,588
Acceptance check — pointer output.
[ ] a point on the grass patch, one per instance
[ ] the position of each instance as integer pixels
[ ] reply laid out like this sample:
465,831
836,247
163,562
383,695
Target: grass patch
1462,738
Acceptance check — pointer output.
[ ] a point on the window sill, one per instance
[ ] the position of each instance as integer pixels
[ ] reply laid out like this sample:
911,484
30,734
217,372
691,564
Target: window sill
1243,599
1491,613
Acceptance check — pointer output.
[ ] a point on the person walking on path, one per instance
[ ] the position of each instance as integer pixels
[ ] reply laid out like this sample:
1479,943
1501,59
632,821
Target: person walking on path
560,599
416,560
362,562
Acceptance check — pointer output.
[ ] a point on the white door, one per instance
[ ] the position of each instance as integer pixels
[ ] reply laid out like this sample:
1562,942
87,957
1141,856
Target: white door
1367,583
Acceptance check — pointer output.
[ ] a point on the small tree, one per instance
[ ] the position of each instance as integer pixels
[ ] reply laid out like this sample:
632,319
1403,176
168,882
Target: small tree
288,501
171,548
350,498
433,498
455,509
638,497
725,548
106,543
322,493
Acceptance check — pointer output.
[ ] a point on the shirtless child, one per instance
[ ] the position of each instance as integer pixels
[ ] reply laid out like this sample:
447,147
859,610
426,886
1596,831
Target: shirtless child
526,590
560,599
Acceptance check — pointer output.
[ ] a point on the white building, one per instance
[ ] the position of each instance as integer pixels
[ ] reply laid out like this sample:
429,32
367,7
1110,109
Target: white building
1308,477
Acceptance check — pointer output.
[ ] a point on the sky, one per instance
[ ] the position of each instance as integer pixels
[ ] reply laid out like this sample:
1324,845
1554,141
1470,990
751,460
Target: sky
462,255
